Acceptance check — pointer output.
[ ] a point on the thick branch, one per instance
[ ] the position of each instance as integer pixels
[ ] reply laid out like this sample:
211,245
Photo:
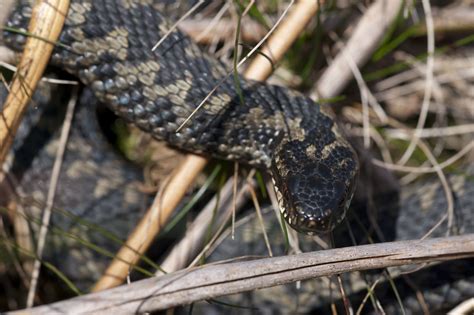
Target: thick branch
211,281
366,38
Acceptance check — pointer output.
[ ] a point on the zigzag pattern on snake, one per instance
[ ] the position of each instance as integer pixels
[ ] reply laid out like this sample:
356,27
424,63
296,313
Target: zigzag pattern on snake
109,47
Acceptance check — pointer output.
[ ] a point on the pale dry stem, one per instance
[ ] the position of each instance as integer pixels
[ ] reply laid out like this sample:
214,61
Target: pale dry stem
428,83
47,212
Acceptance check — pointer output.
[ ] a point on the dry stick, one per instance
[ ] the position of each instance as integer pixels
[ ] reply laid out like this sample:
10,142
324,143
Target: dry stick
466,307
12,68
234,194
280,41
447,20
259,215
201,30
428,85
364,97
347,304
420,169
45,26
211,25
444,183
431,132
173,27
365,39
369,293
51,196
151,224
415,85
211,281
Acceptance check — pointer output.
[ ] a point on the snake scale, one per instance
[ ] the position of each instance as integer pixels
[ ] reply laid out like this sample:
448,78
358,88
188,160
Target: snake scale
257,132
107,44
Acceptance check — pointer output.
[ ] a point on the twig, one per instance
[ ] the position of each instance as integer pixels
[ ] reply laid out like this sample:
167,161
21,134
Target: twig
444,183
418,169
282,38
256,205
51,195
451,19
201,30
44,79
365,39
428,84
370,291
234,196
175,25
431,132
364,96
219,231
415,86
465,307
211,281
211,25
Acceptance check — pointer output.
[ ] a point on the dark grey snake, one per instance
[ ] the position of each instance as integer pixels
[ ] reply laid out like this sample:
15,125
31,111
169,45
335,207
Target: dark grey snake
158,93
108,46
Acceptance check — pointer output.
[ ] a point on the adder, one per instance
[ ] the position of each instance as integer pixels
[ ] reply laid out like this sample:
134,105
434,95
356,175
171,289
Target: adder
107,44
274,128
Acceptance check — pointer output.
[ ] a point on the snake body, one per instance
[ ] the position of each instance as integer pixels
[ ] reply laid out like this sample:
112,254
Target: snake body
274,128
107,44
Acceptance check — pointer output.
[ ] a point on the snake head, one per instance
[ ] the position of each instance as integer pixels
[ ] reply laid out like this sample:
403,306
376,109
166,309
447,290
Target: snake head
314,186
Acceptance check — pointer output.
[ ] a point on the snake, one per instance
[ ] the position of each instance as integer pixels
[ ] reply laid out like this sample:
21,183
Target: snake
108,46
313,167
